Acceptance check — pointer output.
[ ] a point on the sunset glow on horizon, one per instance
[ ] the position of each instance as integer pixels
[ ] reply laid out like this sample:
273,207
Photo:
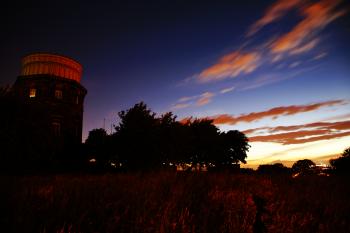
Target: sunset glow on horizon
276,70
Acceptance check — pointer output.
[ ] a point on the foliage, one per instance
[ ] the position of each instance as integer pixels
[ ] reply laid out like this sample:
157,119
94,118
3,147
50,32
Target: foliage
273,169
146,141
303,167
341,165
98,146
137,132
346,152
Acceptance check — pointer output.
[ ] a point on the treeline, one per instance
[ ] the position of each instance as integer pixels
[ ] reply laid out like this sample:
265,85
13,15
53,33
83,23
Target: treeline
142,141
145,141
306,167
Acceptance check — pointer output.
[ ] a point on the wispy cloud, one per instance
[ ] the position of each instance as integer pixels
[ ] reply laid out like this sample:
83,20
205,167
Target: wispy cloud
294,64
196,100
274,53
300,137
275,12
187,98
226,90
180,106
199,100
270,78
305,48
273,112
205,98
230,66
316,16
340,125
298,134
319,56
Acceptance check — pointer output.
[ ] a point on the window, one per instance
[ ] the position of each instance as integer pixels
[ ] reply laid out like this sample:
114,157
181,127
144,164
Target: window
56,128
32,93
58,94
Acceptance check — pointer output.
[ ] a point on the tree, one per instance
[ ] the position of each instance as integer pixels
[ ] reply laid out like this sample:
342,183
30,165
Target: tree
170,138
137,132
146,141
204,138
346,152
98,146
303,167
341,165
273,169
234,146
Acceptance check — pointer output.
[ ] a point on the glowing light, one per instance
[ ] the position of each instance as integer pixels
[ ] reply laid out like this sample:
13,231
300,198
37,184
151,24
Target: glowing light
32,93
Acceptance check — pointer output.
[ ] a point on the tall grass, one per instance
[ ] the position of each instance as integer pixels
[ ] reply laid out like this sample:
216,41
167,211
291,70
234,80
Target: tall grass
173,202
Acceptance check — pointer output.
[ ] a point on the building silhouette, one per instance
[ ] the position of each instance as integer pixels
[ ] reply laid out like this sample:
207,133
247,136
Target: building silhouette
50,102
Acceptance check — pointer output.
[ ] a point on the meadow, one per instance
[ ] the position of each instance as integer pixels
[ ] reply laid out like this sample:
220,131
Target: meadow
174,202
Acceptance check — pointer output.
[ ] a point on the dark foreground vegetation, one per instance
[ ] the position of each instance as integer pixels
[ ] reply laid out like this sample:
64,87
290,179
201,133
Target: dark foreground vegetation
175,202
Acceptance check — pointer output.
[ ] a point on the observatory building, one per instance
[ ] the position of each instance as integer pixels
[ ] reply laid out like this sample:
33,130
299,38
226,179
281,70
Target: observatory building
50,99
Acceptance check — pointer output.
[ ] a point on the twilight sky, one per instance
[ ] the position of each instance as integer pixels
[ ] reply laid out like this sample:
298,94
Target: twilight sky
276,70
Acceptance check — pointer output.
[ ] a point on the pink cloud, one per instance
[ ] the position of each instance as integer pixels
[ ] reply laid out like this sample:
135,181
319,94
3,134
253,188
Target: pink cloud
205,98
230,66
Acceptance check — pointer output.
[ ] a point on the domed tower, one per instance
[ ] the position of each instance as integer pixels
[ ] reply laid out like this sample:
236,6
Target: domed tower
50,99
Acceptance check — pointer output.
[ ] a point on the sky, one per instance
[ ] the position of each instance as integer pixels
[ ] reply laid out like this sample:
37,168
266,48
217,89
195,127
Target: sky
276,70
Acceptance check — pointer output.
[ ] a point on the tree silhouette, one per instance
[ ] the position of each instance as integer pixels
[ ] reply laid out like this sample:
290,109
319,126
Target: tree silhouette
98,146
346,152
137,132
303,167
273,169
146,141
170,138
235,147
203,142
341,165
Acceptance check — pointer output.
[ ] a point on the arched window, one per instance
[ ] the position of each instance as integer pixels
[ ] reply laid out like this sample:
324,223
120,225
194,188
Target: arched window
32,93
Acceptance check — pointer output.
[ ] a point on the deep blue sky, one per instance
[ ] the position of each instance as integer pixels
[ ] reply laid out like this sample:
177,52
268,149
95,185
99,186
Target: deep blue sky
171,54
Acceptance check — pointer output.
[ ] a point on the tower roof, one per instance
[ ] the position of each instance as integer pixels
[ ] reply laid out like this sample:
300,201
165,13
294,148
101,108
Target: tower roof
51,64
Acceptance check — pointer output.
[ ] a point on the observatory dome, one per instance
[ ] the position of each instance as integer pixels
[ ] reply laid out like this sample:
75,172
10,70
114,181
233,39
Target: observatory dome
51,64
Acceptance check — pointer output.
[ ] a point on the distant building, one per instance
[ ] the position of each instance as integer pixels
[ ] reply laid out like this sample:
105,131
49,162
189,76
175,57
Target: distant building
50,100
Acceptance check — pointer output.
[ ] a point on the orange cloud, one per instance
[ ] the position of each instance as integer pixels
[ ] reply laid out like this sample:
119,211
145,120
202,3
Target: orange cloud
317,16
275,12
333,126
299,137
273,112
231,65
286,138
301,133
205,98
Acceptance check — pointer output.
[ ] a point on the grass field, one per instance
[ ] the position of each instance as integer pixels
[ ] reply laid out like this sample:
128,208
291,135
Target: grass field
174,202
